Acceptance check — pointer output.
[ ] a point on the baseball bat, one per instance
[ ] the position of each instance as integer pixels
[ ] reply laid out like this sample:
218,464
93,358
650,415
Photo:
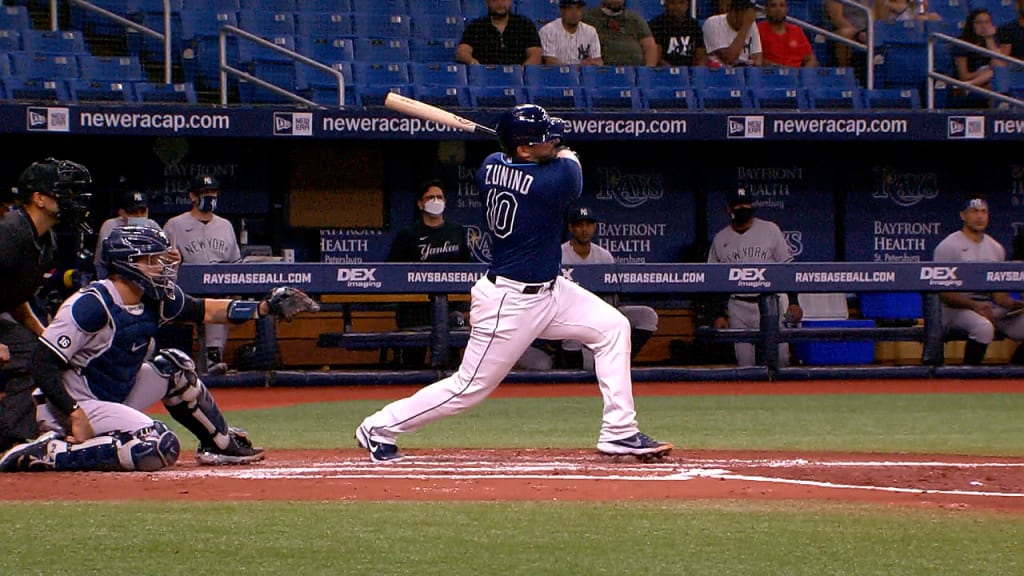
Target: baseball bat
418,109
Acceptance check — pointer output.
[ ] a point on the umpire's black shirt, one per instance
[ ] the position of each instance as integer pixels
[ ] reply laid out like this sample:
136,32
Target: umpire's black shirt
25,258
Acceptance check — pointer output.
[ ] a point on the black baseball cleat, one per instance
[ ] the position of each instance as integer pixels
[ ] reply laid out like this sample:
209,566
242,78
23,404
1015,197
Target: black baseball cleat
640,445
239,451
379,451
32,456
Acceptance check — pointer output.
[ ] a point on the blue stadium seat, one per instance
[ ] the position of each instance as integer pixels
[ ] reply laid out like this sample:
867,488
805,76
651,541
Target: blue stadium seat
541,75
273,6
439,73
324,24
327,49
5,65
373,96
495,75
1005,79
648,77
718,98
792,98
497,96
835,98
954,11
724,77
647,8
892,99
903,65
539,11
365,7
99,91
473,9
772,77
322,88
10,40
607,99
438,7
802,9
110,68
249,51
280,74
669,99
161,93
200,36
438,26
15,18
44,66
828,77
382,25
95,23
608,76
53,41
150,13
900,32
1002,11
371,73
212,5
443,96
36,90
570,98
330,6
382,49
267,24
432,50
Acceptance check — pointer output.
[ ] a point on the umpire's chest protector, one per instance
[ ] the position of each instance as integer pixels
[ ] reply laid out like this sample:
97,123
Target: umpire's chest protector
111,374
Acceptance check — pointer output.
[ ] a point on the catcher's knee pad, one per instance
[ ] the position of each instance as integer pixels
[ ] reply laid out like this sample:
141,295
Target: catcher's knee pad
179,369
188,400
147,450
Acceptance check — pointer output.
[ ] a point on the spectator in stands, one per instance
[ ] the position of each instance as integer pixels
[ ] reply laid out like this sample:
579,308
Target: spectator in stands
580,250
906,10
568,40
783,44
678,36
132,206
431,238
1011,35
851,23
973,67
626,38
500,37
203,237
979,314
750,240
732,38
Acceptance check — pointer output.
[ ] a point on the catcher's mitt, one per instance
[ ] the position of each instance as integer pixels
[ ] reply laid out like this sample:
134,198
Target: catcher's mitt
285,302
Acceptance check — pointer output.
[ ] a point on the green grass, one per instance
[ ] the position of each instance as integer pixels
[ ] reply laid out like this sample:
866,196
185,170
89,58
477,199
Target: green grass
519,538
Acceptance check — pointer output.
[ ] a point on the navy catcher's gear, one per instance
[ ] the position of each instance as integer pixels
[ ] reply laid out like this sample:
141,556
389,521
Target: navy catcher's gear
148,450
527,124
243,310
125,252
64,181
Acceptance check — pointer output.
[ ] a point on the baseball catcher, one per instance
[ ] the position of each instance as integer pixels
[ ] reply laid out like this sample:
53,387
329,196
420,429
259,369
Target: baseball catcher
97,370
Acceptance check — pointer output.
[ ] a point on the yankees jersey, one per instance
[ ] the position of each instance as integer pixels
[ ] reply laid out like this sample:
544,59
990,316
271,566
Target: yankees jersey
957,247
203,243
524,205
677,38
26,258
105,341
718,35
598,255
569,48
762,242
421,243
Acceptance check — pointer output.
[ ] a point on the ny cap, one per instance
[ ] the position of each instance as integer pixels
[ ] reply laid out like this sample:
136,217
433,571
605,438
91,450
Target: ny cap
133,200
582,213
204,182
740,196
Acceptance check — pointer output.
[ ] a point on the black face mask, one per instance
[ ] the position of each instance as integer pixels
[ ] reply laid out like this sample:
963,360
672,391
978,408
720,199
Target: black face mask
742,215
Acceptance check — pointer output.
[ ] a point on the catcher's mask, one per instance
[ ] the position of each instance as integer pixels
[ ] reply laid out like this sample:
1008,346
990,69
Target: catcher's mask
140,254
65,182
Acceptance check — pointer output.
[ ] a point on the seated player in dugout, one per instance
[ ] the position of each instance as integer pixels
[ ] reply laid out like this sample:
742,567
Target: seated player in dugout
96,371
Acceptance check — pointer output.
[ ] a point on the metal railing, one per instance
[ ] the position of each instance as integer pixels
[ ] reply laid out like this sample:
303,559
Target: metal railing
934,75
226,69
164,37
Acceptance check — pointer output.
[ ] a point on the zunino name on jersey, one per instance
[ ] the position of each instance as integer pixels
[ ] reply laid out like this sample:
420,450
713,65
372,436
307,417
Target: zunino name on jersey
508,177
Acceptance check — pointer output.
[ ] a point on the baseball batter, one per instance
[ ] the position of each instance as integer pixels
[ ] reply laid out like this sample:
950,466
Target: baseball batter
749,240
96,351
977,313
523,296
202,237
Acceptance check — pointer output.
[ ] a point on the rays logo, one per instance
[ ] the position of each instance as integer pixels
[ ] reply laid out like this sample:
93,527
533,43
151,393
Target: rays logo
795,241
479,243
629,190
293,124
744,127
905,188
966,128
48,119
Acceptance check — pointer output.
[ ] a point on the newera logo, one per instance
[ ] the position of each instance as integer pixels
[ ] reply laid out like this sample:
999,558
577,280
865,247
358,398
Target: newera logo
938,273
356,274
747,274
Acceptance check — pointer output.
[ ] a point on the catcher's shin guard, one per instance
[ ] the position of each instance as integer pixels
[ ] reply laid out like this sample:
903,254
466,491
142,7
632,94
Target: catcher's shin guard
188,401
147,450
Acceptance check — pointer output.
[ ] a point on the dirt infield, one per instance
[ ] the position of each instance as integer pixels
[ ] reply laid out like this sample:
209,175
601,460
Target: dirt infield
549,475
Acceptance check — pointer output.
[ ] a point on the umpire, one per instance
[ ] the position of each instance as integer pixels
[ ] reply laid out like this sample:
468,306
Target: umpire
48,192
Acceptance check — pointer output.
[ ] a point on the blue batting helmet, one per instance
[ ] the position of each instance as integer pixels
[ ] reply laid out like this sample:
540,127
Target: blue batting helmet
527,124
123,252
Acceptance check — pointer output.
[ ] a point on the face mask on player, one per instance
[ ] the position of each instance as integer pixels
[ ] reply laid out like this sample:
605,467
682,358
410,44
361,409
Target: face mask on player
434,207
207,204
742,214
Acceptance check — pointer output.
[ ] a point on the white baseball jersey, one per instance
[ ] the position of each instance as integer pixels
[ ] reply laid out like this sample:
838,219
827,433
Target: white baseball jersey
957,247
203,243
718,34
569,48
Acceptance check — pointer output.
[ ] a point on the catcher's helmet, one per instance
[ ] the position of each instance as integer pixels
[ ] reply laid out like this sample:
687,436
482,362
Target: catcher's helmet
527,124
124,251
64,180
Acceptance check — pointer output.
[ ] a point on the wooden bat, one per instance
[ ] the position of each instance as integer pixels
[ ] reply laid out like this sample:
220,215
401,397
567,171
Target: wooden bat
418,109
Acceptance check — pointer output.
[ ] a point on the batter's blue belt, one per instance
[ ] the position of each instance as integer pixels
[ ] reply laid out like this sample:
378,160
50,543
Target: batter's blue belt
520,286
